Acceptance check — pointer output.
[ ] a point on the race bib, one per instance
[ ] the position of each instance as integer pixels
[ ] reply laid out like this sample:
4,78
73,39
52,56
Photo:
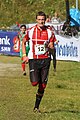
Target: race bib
40,49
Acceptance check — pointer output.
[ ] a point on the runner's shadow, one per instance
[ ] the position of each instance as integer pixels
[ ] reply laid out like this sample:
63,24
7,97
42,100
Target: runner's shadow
60,110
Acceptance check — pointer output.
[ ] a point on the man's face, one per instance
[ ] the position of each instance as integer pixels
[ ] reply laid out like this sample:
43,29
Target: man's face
40,20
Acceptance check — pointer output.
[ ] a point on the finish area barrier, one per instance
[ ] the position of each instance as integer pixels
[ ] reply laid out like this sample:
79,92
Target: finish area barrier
66,49
7,42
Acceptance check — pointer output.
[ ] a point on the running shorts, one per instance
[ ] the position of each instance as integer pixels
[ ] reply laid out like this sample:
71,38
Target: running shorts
39,69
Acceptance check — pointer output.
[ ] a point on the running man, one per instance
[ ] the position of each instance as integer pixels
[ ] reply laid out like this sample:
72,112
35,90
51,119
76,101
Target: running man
41,39
20,37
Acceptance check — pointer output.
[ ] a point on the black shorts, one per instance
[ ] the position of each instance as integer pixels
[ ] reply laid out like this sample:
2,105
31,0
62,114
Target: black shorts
39,69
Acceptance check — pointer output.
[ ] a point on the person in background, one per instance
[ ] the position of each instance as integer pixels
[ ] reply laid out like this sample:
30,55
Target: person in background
20,37
48,18
41,39
17,24
55,18
53,51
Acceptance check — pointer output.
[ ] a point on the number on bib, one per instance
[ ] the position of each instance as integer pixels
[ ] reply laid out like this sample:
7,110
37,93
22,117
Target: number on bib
39,49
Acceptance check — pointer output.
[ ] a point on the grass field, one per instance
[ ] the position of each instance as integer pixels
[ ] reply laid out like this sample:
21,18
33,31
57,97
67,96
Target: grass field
61,100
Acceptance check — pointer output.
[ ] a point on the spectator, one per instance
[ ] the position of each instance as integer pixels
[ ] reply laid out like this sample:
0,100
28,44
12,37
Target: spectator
56,18
48,18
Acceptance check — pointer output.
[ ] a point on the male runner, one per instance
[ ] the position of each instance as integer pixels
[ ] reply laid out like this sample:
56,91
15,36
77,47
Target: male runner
41,39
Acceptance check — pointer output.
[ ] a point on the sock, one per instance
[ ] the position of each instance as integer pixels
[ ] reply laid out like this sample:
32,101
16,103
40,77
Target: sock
39,96
23,66
38,100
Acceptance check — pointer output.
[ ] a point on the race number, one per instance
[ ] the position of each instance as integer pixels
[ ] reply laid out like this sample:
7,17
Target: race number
39,49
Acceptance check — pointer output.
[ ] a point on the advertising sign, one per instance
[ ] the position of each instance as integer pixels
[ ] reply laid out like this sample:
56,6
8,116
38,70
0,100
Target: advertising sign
68,48
7,43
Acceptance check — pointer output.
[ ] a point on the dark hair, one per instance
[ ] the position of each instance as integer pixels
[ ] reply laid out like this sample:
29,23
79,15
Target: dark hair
23,26
47,16
40,13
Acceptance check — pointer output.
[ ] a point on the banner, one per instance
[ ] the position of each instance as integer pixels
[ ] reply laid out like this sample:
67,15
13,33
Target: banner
8,44
68,48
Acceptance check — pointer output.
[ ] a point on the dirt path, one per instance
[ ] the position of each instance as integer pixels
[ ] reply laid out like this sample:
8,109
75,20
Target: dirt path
7,69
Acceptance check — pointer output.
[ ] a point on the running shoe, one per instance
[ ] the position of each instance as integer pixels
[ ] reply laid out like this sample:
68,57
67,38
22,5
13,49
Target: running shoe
36,110
24,73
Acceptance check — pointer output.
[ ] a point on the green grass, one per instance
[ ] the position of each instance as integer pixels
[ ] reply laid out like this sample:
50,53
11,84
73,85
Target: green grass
61,100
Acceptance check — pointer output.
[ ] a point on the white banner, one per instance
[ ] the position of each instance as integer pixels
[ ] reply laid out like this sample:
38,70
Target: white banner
68,48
